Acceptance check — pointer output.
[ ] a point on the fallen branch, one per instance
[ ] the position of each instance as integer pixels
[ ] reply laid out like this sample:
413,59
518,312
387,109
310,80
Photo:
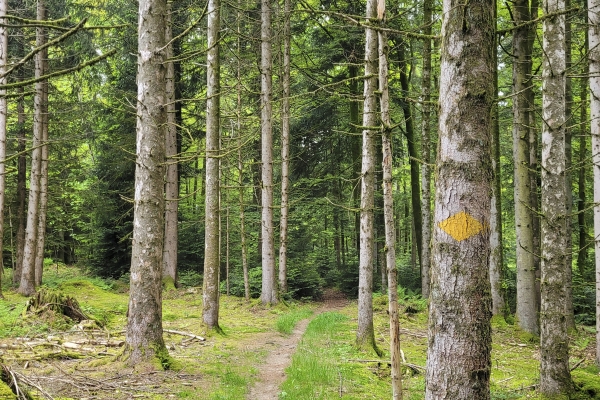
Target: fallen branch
200,338
416,368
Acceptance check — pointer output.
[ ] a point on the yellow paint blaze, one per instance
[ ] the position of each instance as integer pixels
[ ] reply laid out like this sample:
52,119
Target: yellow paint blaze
461,226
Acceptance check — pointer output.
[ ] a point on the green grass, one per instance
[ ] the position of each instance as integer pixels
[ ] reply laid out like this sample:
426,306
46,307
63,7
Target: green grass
286,322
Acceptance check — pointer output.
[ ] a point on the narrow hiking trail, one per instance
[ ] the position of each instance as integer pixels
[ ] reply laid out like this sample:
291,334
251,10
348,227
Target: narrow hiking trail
281,348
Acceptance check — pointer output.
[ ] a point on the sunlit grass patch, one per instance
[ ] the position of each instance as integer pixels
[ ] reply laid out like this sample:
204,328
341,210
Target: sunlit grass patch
286,322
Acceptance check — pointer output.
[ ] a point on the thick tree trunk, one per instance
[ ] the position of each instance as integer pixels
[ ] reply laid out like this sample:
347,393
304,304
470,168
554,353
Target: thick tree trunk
27,283
171,176
144,339
527,306
555,378
212,253
269,279
458,355
426,151
365,336
285,149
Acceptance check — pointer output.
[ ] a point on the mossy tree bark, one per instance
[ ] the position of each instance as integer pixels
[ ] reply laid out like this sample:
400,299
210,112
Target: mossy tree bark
144,340
458,355
365,336
555,378
527,305
212,251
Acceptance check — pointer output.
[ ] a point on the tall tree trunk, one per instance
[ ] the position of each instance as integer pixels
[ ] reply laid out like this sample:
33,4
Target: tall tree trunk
43,201
269,279
569,312
388,212
285,149
496,256
355,145
3,117
555,378
426,150
594,68
458,355
144,340
21,187
365,336
171,176
582,231
527,307
212,256
27,283
413,153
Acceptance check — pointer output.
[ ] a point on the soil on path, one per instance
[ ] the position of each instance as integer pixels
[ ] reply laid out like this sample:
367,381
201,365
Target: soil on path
272,372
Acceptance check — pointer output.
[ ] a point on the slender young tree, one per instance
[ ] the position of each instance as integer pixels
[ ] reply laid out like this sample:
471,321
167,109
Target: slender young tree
365,336
555,377
212,253
285,148
496,256
388,213
269,279
3,116
144,333
171,176
426,150
527,305
28,278
459,351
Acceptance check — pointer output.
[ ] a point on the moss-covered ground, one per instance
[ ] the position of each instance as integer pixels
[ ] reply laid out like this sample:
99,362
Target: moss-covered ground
71,361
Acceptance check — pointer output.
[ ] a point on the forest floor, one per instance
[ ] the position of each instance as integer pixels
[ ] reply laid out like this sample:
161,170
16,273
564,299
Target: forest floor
255,358
282,347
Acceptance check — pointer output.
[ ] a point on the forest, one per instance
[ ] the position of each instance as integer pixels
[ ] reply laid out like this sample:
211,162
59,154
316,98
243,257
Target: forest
445,154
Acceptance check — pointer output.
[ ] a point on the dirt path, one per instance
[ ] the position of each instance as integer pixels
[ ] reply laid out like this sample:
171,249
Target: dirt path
272,372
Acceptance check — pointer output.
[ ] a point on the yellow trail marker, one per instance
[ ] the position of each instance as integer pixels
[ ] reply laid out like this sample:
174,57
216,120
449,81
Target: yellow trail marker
461,226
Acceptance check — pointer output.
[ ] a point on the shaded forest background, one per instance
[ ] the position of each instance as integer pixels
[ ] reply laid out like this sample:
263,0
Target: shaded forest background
92,140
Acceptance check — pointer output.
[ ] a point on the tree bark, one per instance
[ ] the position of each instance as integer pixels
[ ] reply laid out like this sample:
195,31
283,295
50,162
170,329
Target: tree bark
269,279
527,306
365,336
555,378
171,176
144,340
459,351
212,253
582,194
